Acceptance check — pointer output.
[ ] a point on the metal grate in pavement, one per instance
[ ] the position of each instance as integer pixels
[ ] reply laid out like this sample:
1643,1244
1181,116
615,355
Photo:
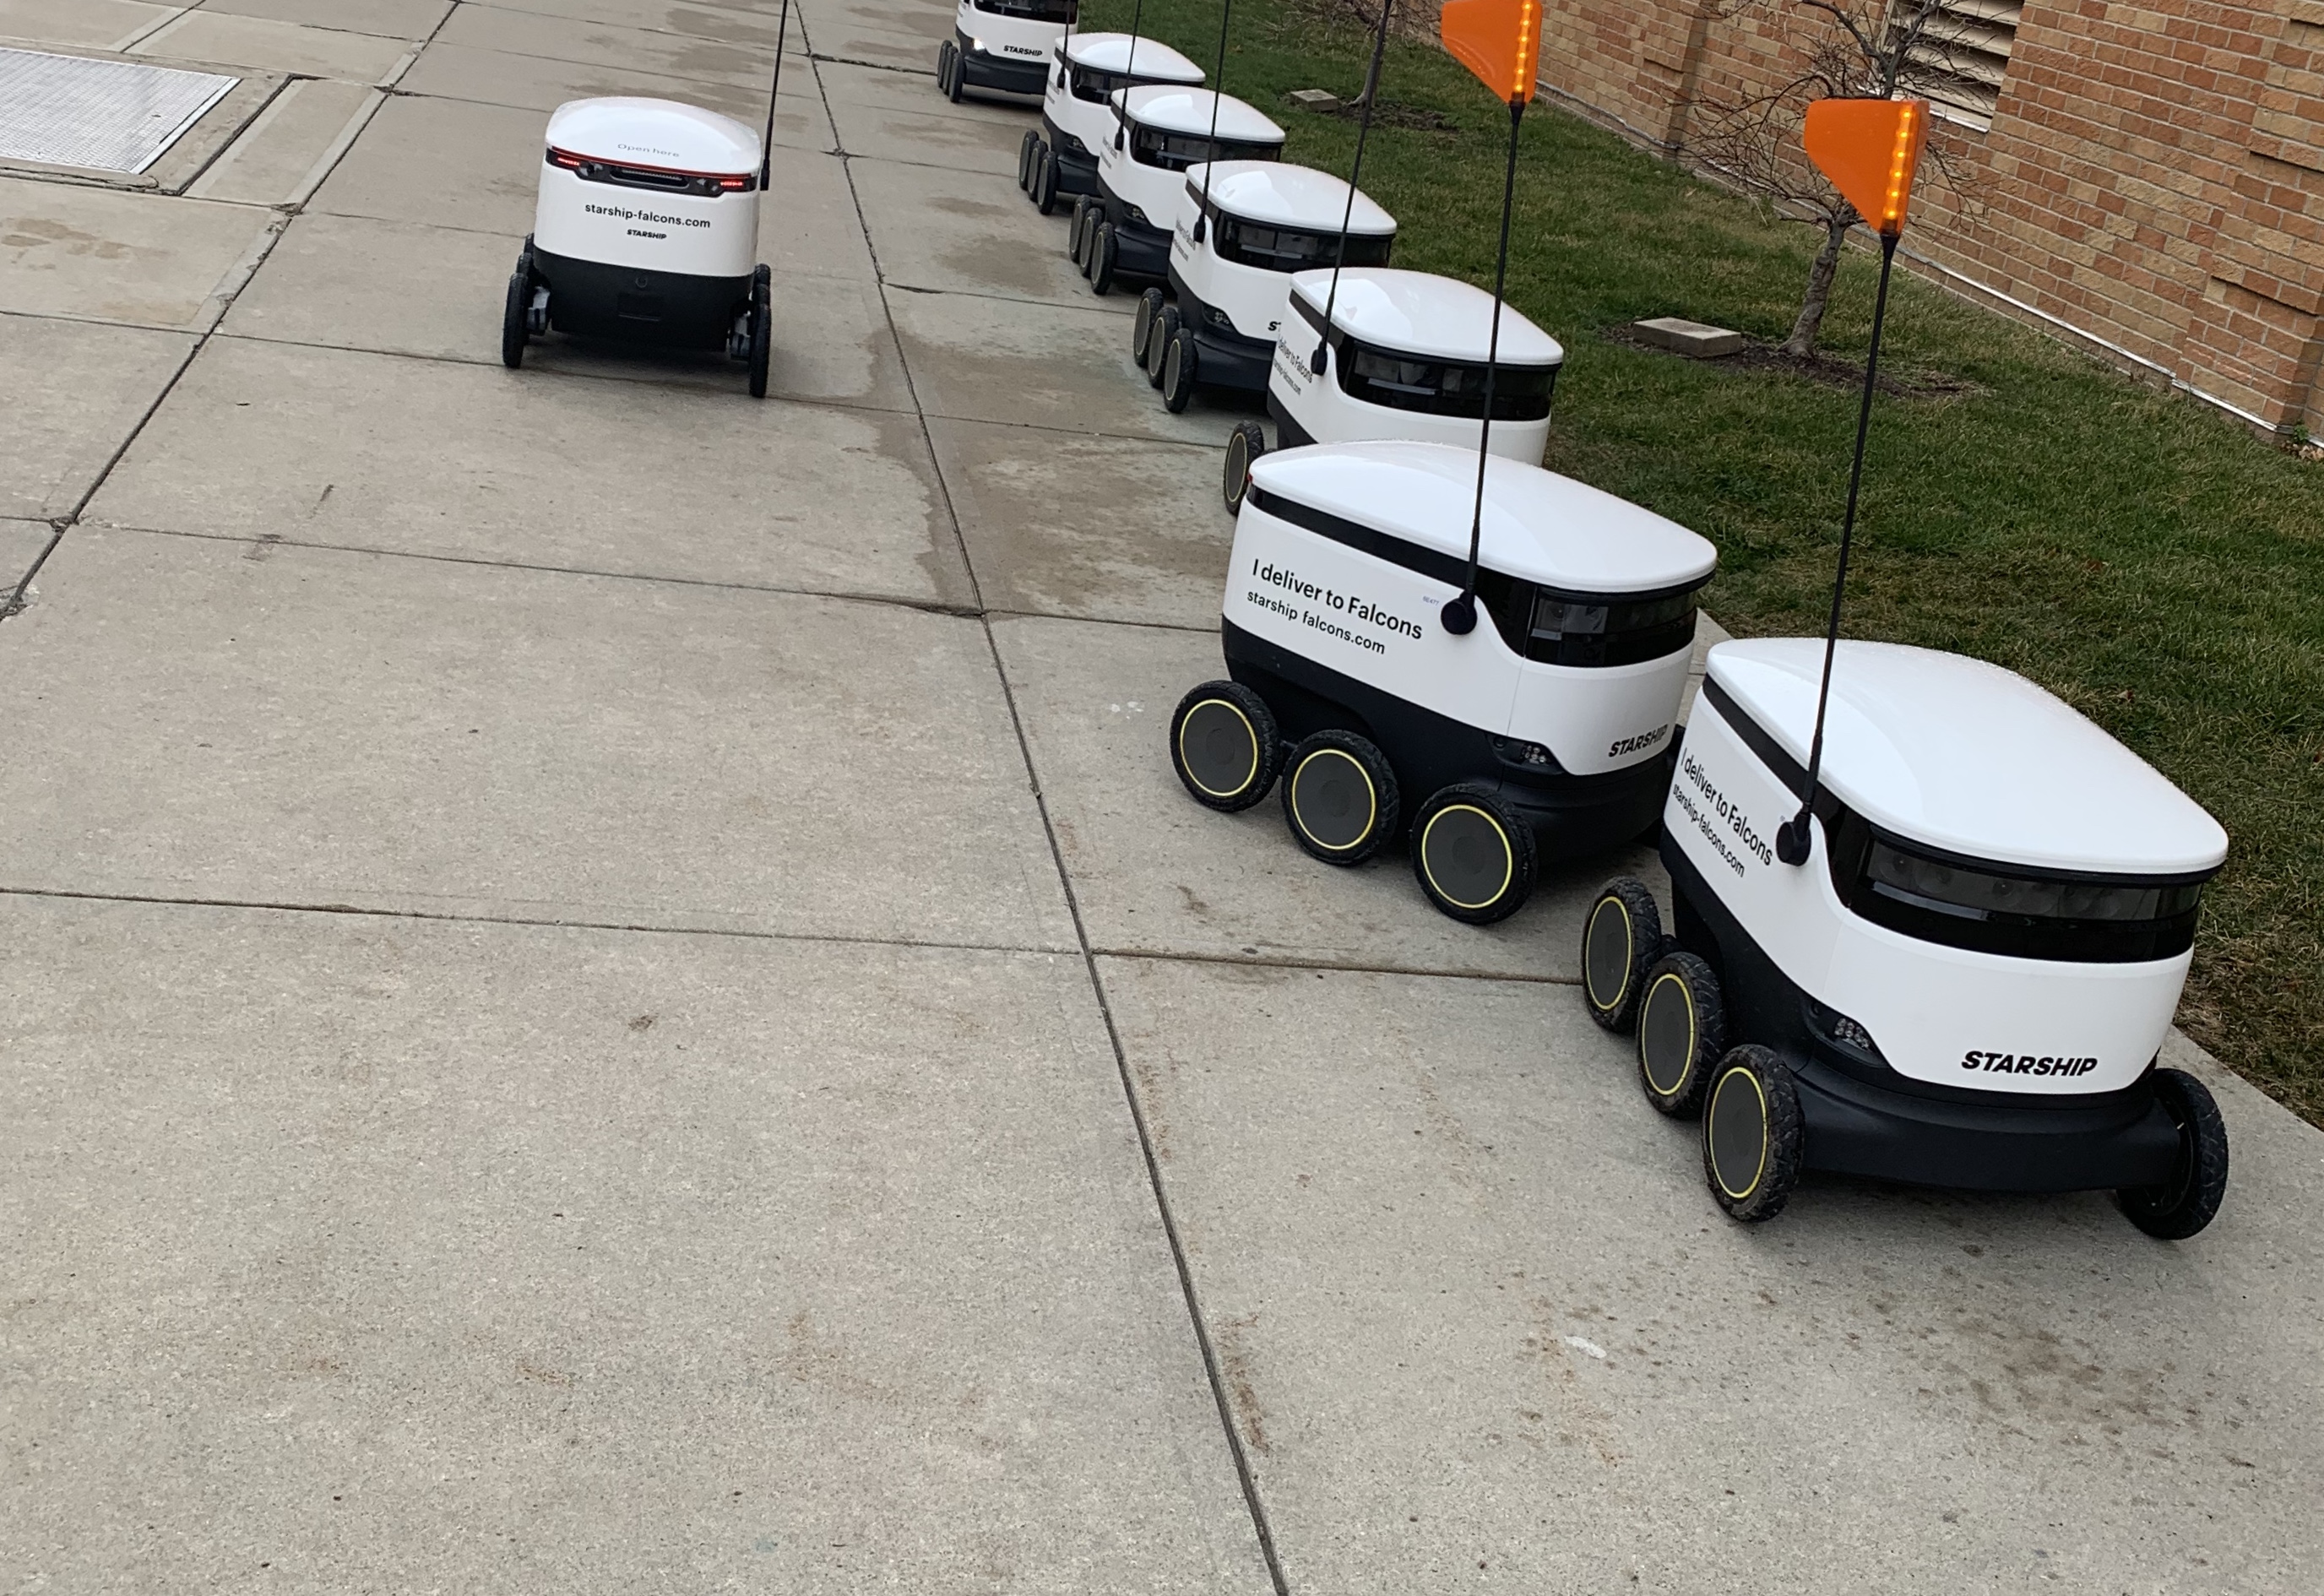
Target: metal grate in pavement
66,110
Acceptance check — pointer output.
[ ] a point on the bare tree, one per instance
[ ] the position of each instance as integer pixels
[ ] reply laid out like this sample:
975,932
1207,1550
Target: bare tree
1861,48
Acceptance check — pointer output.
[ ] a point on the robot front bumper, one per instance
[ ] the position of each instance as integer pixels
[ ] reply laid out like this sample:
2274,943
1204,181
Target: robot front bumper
591,298
990,70
1077,167
1571,816
1863,1118
1224,358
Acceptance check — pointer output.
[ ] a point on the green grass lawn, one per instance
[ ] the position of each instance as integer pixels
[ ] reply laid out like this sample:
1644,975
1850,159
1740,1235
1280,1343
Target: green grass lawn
2138,553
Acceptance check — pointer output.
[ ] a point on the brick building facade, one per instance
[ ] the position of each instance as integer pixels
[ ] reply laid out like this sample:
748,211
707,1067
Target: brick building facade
2147,177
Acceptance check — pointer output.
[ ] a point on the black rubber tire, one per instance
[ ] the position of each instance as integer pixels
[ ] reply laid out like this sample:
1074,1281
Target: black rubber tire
762,329
1045,182
1681,1034
1025,148
513,336
1159,343
2189,1200
1178,363
1245,444
1102,251
959,72
1142,324
1621,937
944,67
1753,1138
1077,233
1339,797
1208,732
1472,854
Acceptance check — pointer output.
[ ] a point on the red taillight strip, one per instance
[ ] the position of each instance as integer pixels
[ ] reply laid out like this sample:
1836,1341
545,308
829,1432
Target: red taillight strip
729,181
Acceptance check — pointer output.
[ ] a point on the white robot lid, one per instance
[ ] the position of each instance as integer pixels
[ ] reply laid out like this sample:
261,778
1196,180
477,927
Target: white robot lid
662,133
1965,756
1277,194
1537,526
1110,52
1173,109
1421,313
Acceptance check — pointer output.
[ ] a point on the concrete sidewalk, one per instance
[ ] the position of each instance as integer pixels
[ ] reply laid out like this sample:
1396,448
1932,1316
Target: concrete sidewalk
608,987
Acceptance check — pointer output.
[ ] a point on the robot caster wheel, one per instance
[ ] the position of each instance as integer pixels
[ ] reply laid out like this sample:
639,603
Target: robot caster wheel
1044,180
1339,796
514,335
1225,746
1682,1033
1245,444
762,330
2187,1201
1077,234
1474,858
1025,158
1178,363
948,70
1158,345
1142,327
1620,940
1098,256
1752,1139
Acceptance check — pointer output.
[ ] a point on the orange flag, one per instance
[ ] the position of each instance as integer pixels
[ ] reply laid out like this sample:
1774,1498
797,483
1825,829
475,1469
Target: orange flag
1498,39
1869,149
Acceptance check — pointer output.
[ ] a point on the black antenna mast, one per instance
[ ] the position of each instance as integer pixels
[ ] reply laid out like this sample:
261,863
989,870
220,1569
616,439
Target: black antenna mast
1129,73
1459,614
1793,836
1218,93
1322,358
767,147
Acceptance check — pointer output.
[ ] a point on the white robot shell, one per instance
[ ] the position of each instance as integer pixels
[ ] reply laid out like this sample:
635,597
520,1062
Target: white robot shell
1163,130
2001,898
1007,44
1406,360
650,185
1565,695
1087,70
1260,222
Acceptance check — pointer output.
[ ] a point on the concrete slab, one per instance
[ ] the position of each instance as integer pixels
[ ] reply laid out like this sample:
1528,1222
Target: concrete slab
977,358
900,50
850,83
360,1253
455,164
1105,528
273,159
391,19
1485,1330
933,22
69,249
283,47
1154,872
270,724
734,22
85,24
477,462
76,391
984,144
970,232
21,542
446,164
740,52
348,282
495,76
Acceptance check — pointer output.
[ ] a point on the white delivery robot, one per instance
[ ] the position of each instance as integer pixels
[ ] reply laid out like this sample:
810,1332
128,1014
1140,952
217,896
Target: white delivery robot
1404,358
1159,132
1966,979
1002,44
1243,228
1058,159
646,232
1546,732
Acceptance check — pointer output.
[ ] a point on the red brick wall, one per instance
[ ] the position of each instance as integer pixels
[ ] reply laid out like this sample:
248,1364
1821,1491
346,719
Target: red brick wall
2153,177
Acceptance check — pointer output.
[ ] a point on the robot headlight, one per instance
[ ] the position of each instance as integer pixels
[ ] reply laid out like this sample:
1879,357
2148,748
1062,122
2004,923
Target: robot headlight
1990,893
